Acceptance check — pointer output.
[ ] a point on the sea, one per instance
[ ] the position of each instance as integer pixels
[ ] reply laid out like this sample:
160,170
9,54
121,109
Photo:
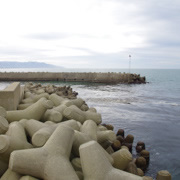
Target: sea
150,112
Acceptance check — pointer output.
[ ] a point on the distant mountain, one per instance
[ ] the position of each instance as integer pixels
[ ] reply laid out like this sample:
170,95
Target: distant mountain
13,64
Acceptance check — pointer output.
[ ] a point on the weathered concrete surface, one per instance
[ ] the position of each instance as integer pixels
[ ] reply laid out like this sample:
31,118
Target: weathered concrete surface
11,96
73,76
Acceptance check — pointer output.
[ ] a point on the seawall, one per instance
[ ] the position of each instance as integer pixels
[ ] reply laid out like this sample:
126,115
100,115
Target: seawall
109,77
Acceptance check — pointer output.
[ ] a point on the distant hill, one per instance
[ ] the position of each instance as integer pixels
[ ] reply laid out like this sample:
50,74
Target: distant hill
13,64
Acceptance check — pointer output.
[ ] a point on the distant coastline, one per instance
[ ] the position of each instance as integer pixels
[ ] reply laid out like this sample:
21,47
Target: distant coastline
30,64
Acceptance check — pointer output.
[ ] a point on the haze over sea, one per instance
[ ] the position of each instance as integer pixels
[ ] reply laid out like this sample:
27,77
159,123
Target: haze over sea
151,112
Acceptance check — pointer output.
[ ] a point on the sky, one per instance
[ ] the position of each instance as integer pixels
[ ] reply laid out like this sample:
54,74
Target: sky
91,33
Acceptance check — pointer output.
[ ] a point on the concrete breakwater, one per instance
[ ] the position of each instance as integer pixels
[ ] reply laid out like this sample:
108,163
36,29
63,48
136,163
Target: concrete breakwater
109,77
54,138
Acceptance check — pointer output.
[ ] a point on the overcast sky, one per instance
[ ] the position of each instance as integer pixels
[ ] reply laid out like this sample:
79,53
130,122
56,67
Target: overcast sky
91,33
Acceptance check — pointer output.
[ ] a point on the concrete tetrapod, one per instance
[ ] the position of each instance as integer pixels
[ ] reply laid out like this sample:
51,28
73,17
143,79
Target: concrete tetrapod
10,175
121,158
24,106
49,123
28,178
34,98
73,112
76,163
35,111
98,167
40,137
132,168
55,114
32,126
58,100
80,175
84,107
78,102
2,112
103,136
110,150
101,128
163,175
92,109
39,91
23,122
27,94
89,127
106,144
14,139
50,162
3,125
81,138
3,166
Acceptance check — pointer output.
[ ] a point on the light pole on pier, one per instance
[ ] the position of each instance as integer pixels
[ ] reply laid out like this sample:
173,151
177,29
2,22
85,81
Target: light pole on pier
129,64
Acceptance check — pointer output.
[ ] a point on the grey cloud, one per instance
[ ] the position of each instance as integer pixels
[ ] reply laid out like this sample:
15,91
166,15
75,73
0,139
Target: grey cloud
23,54
149,57
165,42
161,22
48,36
153,57
149,12
20,51
165,10
57,36
81,49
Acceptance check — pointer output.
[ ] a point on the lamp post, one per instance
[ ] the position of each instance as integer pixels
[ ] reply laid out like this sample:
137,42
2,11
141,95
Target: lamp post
129,64
129,68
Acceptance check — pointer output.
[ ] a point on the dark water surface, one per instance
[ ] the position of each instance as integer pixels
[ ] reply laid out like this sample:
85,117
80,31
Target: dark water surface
151,112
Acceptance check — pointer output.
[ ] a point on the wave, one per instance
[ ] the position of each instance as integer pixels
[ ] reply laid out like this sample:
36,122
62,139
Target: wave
167,103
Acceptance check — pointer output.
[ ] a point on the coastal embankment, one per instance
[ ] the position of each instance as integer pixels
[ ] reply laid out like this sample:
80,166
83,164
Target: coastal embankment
99,77
50,128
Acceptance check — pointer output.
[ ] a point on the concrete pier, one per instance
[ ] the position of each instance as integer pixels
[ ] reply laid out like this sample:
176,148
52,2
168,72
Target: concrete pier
109,77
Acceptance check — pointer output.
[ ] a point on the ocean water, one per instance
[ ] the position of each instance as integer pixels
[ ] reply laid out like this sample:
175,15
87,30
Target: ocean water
151,112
